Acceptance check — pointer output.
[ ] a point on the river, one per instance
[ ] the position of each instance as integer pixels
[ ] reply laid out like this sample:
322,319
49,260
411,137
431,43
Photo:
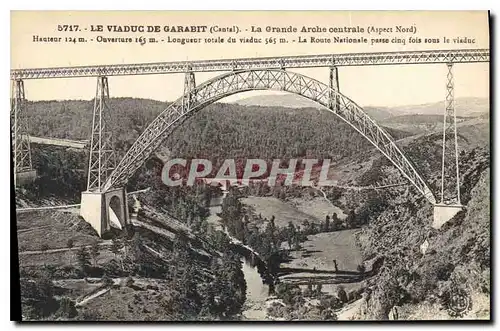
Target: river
257,292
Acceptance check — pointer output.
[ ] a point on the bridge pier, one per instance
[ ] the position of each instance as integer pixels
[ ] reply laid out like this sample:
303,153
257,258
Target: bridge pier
449,206
334,99
105,210
189,89
21,150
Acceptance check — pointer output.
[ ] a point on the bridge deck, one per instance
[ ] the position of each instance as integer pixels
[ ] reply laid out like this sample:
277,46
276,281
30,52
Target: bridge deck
300,61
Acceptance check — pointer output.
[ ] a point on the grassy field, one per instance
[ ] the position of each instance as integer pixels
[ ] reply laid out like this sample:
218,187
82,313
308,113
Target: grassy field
282,211
321,249
315,259
43,236
314,262
146,300
317,207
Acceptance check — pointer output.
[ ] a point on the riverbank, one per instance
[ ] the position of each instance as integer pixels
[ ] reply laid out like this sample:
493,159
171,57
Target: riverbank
257,292
329,259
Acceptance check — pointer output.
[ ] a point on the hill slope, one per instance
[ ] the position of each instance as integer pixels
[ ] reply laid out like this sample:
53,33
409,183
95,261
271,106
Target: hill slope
296,101
467,107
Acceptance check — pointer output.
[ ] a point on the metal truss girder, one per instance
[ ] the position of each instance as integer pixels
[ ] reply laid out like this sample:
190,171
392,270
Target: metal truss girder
301,61
223,86
19,129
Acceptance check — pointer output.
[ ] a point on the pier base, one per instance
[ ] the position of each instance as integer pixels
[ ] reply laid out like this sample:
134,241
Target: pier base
105,210
444,213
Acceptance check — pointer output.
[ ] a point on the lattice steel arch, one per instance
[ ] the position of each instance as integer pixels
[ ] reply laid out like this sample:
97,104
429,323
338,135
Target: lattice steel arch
271,79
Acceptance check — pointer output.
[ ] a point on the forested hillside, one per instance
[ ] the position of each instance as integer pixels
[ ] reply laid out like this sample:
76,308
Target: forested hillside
220,131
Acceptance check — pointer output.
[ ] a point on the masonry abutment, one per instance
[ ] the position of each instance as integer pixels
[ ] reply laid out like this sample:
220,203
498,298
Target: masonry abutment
105,210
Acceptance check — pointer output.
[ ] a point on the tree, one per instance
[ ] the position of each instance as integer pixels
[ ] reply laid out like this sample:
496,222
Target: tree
291,234
309,289
44,248
335,222
342,294
83,258
49,270
307,227
70,244
319,287
289,293
351,219
107,281
313,228
37,297
327,223
187,287
234,291
116,246
272,230
94,252
67,308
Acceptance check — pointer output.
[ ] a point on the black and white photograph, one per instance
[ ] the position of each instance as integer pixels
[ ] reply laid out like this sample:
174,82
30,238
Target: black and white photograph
222,166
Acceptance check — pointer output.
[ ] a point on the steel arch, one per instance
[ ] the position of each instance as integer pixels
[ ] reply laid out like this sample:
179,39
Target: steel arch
270,79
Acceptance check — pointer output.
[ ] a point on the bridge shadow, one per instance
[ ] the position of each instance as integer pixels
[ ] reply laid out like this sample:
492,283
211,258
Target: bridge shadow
322,276
324,280
347,273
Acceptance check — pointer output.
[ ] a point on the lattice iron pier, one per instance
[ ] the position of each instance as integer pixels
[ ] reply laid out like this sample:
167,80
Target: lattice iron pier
189,97
21,151
102,158
103,208
451,205
334,103
450,124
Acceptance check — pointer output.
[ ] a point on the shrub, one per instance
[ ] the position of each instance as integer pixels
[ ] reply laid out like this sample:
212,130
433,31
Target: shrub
67,308
361,268
342,294
129,281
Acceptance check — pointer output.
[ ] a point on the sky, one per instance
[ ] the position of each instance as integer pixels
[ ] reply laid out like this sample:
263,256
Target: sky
368,86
